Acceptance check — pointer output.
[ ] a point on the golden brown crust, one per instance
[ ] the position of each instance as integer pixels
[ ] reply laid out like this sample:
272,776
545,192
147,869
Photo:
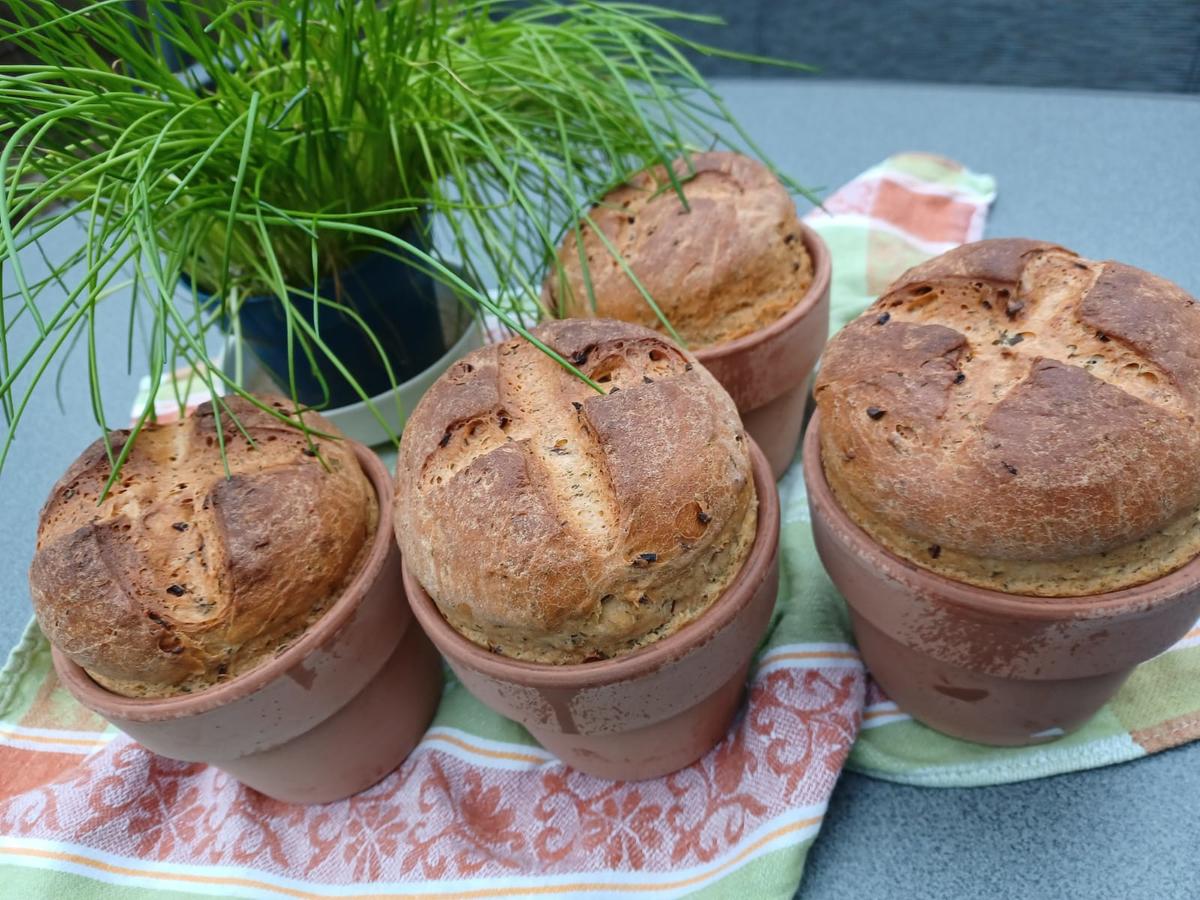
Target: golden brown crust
555,524
728,265
1014,416
181,577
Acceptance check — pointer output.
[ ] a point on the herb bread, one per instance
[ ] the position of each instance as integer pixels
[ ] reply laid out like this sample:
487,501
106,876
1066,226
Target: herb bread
730,263
1014,416
555,524
182,577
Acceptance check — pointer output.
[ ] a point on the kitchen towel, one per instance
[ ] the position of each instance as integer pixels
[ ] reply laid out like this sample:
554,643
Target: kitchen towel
478,810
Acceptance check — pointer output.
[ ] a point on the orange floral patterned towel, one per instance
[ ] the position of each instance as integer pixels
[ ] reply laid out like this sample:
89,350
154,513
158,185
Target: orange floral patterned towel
478,810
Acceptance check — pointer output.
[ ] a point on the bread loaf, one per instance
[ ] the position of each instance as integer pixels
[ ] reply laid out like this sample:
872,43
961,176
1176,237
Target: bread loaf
1014,416
183,577
555,524
728,264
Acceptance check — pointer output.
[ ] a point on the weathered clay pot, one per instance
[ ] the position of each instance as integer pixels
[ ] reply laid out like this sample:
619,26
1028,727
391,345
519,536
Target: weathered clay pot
320,721
983,665
652,711
766,372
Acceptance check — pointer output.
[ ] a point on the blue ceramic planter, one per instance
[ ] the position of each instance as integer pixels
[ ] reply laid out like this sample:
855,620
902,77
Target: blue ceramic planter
398,303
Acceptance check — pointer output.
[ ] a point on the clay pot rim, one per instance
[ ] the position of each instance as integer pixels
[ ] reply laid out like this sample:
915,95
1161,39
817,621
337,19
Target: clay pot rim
1130,601
822,272
736,596
151,709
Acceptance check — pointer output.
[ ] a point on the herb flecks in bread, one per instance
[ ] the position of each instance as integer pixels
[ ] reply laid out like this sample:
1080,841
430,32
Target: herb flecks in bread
1041,420
554,524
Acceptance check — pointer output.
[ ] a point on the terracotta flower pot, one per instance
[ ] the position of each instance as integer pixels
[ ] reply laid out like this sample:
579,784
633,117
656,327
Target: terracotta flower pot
320,721
767,371
649,712
983,665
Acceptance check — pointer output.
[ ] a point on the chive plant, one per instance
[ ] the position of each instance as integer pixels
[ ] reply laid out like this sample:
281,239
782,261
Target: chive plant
303,134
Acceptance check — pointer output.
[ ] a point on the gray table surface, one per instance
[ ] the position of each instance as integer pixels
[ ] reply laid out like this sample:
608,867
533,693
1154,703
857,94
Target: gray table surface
1109,175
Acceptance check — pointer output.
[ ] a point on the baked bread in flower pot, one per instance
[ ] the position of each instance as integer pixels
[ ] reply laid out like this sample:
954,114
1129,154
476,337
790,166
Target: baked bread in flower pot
1004,477
254,621
744,283
599,567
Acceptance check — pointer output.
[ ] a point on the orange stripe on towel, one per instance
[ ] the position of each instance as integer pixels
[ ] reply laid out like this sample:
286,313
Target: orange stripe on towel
926,216
609,887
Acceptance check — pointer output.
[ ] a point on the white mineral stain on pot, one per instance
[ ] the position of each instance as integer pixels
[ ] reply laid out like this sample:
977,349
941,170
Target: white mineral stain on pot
1047,734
